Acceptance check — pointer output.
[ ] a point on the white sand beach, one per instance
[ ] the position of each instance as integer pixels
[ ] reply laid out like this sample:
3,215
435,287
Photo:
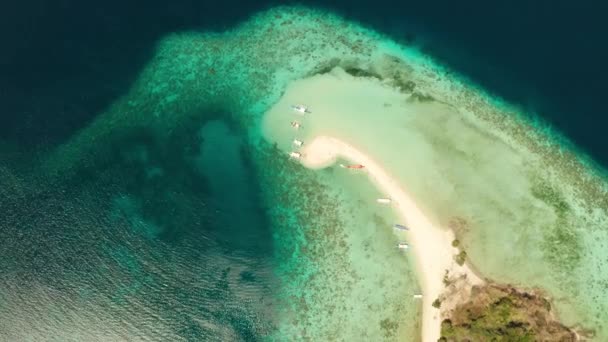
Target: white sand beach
441,171
431,245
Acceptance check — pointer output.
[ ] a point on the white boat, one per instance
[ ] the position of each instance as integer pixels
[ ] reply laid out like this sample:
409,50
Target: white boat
295,155
417,296
383,200
400,227
403,245
297,142
295,125
302,109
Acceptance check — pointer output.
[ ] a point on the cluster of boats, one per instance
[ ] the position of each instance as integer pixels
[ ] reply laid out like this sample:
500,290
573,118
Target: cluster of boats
303,110
404,246
400,227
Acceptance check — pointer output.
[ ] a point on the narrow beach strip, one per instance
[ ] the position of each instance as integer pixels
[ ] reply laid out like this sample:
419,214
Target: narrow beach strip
431,245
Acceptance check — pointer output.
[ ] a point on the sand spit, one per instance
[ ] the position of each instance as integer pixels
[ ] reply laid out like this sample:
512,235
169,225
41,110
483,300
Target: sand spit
431,245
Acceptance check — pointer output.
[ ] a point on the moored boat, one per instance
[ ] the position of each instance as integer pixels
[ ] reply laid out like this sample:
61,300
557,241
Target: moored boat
353,166
302,109
400,227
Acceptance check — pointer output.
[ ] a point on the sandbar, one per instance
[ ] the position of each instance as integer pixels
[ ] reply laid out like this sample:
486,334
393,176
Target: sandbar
431,245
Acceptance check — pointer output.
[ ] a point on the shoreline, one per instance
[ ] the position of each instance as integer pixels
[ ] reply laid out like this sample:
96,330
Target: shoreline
431,245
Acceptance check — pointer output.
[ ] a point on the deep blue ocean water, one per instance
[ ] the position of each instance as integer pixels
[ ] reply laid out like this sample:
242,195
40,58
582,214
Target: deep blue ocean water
64,63
186,234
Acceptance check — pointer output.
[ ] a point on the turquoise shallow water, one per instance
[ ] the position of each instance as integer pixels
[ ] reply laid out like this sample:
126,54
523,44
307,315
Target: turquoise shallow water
171,218
342,276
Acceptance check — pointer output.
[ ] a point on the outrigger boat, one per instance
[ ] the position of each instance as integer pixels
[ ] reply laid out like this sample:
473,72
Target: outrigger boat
400,227
295,155
297,142
354,166
295,125
417,296
403,245
383,200
302,109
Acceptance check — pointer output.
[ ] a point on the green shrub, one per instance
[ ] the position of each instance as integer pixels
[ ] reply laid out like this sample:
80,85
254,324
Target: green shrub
461,257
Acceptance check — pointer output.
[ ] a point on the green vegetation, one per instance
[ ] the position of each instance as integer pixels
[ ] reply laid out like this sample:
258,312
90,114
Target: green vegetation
498,313
437,303
461,258
481,333
455,243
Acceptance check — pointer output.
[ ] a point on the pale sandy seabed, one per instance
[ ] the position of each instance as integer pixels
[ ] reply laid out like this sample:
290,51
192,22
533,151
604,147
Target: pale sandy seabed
528,209
432,246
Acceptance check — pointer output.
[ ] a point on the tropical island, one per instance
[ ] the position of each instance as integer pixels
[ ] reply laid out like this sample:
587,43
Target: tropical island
449,161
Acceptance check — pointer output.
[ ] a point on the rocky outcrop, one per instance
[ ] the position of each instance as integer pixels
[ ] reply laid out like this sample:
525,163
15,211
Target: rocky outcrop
504,313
